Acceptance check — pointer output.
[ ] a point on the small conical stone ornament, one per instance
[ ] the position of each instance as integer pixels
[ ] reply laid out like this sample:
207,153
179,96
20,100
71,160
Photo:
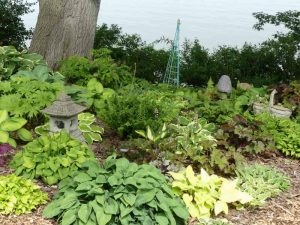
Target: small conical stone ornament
224,84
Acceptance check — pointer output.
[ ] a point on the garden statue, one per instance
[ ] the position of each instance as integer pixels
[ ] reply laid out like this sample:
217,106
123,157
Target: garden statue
224,84
63,114
278,110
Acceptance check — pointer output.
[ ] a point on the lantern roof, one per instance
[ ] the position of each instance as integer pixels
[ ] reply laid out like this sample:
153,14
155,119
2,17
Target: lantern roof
63,107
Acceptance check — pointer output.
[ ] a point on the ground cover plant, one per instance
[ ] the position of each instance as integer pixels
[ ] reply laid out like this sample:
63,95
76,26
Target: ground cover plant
18,195
262,182
8,125
120,192
204,194
51,157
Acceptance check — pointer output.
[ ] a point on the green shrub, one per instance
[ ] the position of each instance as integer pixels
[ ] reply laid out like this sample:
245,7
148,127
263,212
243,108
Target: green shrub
51,157
214,222
24,97
262,182
12,61
285,132
203,193
18,195
118,193
135,109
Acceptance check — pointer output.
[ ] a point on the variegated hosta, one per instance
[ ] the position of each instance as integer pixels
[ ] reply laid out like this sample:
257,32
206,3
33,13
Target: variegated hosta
91,132
203,193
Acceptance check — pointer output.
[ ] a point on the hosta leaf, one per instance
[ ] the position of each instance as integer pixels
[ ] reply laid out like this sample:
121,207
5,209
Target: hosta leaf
84,212
13,124
4,137
3,115
69,217
24,135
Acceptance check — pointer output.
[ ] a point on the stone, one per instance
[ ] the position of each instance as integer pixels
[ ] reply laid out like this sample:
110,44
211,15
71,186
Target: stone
244,86
224,85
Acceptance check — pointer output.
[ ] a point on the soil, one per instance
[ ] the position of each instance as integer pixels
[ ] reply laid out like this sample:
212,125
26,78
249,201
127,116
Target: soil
282,210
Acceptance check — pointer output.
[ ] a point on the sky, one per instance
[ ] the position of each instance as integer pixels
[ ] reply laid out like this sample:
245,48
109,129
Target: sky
213,22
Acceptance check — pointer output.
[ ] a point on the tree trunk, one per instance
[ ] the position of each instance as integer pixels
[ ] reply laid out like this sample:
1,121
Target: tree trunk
65,28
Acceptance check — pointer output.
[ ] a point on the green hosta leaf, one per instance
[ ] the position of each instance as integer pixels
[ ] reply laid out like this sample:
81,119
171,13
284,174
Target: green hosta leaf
4,137
69,217
94,85
52,210
84,212
12,142
3,115
84,128
13,124
24,134
82,177
111,206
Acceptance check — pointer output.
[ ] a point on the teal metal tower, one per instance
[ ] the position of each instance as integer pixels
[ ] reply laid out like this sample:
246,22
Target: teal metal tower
172,74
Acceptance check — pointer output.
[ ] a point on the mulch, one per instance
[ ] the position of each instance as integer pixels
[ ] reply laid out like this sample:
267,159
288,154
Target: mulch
282,210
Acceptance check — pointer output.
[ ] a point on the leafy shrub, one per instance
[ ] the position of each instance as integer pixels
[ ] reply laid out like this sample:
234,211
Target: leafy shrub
262,182
93,95
135,109
18,195
86,124
285,132
12,61
203,193
51,157
25,97
41,73
79,70
5,151
12,124
118,193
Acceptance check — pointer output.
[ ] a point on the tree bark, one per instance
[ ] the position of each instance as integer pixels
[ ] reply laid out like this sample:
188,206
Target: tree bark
65,28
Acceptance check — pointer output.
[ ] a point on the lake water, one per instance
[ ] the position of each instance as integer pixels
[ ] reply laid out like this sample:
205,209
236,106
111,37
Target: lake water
213,22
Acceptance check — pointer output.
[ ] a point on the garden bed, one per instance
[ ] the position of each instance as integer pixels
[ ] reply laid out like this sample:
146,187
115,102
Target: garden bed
282,210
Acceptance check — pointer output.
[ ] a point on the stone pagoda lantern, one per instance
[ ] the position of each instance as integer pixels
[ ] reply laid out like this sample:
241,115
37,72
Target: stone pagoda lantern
63,114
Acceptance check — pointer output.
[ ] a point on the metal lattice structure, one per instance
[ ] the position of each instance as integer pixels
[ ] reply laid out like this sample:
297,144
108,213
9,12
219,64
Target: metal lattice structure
172,74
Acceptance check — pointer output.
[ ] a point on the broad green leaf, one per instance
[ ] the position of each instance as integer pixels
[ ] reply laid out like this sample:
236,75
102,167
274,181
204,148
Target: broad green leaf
3,115
69,217
84,212
4,137
24,135
111,206
13,124
52,210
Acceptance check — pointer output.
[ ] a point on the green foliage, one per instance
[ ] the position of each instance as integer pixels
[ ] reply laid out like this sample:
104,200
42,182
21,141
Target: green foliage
41,73
118,193
203,193
12,61
94,96
79,70
262,182
285,132
91,132
134,108
51,157
12,124
25,97
12,27
18,195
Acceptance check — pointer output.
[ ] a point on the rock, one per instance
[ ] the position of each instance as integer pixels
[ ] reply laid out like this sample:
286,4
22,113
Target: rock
244,86
224,84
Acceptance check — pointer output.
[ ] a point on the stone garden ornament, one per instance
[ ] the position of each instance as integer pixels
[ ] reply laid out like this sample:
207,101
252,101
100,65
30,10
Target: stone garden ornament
224,85
63,114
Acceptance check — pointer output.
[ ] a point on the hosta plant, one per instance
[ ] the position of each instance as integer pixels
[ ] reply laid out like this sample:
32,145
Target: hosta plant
91,132
118,193
18,195
51,157
204,194
214,222
262,182
8,125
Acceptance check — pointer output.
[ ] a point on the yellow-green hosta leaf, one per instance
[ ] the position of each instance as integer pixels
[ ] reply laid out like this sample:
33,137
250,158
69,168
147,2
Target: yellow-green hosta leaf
24,134
230,192
12,142
191,176
221,207
177,176
4,137
13,124
149,134
3,115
